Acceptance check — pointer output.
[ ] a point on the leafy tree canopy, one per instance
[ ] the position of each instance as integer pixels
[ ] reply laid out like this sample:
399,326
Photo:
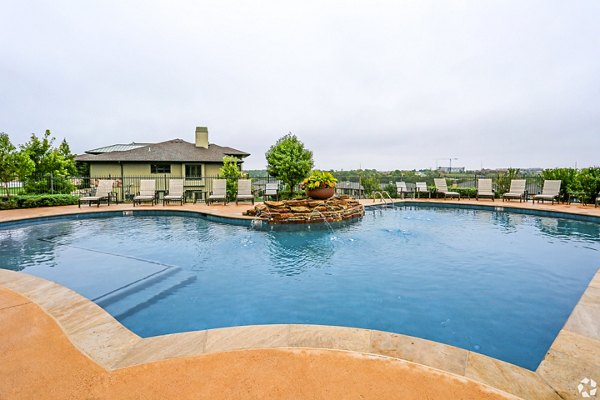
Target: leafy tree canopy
46,158
230,171
58,163
13,164
289,161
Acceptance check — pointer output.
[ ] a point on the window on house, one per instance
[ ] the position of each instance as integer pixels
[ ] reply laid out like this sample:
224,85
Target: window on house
160,168
193,170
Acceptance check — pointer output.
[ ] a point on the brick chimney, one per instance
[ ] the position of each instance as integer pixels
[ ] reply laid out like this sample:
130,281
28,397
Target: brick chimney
202,137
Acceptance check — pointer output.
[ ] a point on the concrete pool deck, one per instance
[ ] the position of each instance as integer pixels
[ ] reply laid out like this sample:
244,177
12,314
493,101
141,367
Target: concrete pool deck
57,344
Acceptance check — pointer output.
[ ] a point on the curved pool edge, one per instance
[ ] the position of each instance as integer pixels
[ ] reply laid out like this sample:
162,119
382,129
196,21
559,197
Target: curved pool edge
112,346
232,214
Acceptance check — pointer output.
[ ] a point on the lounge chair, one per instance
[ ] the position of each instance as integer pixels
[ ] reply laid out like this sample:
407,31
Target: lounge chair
271,190
597,201
484,189
219,192
103,193
517,190
244,192
147,192
401,189
421,187
175,192
550,191
442,187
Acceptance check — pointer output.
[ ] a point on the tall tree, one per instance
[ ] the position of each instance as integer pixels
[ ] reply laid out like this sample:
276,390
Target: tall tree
54,164
289,161
13,164
230,171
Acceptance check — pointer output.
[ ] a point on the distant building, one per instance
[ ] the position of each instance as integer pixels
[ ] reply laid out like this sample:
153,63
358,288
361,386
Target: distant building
454,169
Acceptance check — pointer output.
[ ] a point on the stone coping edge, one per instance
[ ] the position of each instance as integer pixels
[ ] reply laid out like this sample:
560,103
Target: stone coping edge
109,344
499,207
222,216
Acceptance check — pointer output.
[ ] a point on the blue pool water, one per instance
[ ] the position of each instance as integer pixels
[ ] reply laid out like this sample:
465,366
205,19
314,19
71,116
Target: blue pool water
497,283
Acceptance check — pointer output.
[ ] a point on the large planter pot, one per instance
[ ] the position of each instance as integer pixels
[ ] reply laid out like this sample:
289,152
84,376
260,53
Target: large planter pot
320,194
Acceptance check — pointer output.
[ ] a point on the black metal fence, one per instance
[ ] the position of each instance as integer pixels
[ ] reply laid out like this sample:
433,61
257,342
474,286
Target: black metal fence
198,188
125,188
362,186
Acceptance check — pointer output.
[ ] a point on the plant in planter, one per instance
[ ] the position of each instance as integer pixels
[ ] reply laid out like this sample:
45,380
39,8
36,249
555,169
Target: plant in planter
319,185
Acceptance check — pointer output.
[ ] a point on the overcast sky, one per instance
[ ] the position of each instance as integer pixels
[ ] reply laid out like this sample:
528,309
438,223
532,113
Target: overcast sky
371,84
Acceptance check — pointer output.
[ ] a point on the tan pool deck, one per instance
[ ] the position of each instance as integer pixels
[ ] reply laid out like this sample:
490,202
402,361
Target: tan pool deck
56,344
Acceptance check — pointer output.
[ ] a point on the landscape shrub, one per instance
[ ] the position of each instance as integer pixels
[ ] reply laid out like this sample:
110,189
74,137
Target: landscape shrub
588,182
38,200
465,192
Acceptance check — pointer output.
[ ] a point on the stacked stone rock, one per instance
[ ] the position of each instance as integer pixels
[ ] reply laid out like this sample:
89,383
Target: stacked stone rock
308,210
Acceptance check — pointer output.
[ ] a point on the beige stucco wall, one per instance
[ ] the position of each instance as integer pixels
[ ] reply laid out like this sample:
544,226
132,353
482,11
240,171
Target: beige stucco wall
132,169
105,170
132,172
212,169
143,169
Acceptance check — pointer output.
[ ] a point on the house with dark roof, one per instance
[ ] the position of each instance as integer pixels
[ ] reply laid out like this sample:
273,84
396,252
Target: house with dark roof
174,158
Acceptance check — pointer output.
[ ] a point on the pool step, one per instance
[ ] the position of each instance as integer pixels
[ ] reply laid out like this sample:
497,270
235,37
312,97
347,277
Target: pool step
134,297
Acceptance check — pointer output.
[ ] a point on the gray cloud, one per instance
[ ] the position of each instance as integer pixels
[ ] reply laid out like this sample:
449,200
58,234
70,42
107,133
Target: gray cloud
377,84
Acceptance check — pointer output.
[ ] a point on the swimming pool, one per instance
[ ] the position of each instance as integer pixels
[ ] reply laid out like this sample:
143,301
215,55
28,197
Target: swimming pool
498,283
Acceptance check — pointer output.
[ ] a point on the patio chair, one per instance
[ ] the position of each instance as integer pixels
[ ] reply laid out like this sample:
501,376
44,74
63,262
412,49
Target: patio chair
175,192
271,190
484,189
442,187
550,191
516,191
421,187
147,192
401,189
244,191
219,192
103,193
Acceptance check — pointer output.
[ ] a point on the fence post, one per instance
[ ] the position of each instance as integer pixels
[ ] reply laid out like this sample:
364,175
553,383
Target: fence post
51,183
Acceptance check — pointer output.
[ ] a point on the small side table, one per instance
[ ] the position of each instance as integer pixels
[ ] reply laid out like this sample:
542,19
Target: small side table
159,194
576,196
194,195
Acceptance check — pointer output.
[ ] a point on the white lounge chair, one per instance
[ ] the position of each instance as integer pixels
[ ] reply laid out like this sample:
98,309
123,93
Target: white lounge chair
421,187
550,191
401,189
147,192
103,192
219,192
244,192
484,189
175,191
442,187
516,191
271,190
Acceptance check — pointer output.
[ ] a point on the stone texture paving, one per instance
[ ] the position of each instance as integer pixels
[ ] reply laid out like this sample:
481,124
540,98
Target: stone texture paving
574,355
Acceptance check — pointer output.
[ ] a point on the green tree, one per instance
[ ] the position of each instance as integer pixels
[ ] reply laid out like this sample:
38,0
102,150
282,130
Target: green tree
52,166
370,181
230,171
289,161
13,164
588,182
